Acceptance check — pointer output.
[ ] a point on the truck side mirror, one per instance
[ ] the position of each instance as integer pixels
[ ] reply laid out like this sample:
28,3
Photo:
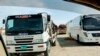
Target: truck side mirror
80,24
48,18
3,21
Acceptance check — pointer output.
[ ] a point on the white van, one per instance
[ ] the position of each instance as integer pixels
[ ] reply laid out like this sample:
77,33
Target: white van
85,28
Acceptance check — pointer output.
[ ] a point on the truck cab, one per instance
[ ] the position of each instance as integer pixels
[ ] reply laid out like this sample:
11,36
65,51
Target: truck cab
29,33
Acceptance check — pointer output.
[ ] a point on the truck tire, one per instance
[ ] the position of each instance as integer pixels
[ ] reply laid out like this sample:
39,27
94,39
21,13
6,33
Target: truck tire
46,53
54,44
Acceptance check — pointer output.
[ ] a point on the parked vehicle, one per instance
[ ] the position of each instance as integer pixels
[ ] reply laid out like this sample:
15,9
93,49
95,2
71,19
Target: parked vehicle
62,29
85,28
29,33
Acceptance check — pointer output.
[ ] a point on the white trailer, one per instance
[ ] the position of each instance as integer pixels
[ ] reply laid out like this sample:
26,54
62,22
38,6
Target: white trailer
30,33
85,28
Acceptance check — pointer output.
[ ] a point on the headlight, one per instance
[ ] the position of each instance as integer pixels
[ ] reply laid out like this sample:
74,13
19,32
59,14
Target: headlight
85,34
38,41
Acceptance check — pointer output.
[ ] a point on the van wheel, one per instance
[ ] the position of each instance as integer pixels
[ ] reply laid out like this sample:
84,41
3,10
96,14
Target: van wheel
78,39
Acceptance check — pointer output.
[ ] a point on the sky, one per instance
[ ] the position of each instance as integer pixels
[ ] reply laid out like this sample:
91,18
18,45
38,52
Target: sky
67,10
51,4
58,16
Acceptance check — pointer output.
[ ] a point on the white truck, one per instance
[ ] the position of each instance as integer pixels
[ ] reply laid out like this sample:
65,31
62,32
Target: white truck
85,28
29,33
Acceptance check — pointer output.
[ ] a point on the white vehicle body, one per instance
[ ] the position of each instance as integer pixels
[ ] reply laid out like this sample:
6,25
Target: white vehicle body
23,42
77,29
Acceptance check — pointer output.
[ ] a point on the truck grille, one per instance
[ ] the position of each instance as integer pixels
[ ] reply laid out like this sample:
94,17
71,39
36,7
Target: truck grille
96,34
24,41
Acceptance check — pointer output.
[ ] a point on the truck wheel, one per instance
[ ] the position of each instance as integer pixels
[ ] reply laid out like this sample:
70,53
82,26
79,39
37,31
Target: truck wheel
46,53
54,44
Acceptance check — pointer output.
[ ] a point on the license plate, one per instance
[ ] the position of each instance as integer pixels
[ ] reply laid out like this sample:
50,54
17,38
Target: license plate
23,47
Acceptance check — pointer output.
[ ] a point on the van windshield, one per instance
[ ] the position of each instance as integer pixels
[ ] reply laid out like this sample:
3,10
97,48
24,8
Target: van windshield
91,23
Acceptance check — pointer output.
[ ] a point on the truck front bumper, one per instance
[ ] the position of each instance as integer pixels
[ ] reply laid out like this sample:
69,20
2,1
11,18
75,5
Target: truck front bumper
26,48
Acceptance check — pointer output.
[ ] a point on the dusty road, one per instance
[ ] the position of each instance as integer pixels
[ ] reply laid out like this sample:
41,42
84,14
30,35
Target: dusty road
66,47
72,48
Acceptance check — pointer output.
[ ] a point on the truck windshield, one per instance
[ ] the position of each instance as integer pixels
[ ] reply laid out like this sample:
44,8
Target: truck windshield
27,25
91,24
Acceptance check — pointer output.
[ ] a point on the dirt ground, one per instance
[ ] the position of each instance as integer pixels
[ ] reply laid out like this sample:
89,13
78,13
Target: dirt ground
66,47
69,47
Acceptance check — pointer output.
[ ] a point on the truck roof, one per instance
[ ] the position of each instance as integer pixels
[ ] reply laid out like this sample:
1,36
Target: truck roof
25,15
